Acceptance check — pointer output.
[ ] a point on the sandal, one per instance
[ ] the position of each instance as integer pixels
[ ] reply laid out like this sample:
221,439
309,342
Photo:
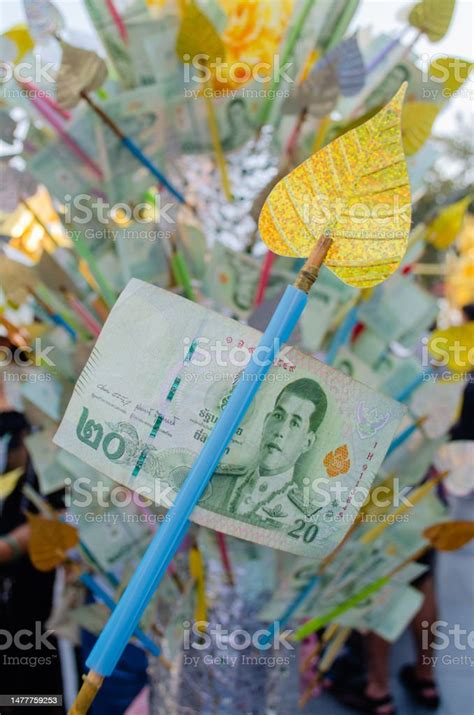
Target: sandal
416,686
359,700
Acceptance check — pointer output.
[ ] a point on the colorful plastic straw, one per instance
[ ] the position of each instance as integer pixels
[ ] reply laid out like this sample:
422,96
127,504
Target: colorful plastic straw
90,322
342,335
181,272
225,558
403,436
217,146
82,249
116,17
411,387
286,54
71,143
96,589
50,101
124,619
53,316
267,265
133,148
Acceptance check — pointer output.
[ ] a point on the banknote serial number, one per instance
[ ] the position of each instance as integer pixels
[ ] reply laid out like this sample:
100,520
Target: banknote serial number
30,700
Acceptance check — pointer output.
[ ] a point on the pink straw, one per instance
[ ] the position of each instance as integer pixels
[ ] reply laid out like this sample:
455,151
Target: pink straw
224,552
85,315
117,19
55,122
50,101
267,264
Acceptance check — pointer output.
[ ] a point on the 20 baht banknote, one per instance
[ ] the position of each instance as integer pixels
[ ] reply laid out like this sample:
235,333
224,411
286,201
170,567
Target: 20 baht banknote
301,462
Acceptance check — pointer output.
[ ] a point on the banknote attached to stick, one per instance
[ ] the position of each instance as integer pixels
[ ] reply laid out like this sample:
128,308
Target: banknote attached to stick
300,464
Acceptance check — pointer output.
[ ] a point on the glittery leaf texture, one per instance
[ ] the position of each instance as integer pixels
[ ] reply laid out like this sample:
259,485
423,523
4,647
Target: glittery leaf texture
198,35
432,17
356,190
417,122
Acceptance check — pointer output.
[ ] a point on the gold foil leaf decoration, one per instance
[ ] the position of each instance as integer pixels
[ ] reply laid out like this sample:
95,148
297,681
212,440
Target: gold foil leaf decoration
443,230
50,541
450,535
432,17
356,190
417,122
197,35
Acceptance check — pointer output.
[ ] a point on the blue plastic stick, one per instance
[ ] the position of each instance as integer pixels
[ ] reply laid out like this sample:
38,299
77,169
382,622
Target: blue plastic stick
292,608
127,613
342,334
132,147
97,590
138,154
411,387
402,437
58,320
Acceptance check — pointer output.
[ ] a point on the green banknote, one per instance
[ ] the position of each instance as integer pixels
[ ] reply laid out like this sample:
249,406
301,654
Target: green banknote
156,383
399,309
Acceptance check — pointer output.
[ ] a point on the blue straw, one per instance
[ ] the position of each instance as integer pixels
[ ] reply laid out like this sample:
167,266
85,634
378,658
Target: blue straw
342,334
97,590
138,154
292,608
411,387
58,320
402,437
127,613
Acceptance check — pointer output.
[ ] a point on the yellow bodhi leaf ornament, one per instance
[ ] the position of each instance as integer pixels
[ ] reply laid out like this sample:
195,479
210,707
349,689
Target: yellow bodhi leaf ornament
198,35
450,535
356,190
432,17
417,122
443,230
453,348
49,542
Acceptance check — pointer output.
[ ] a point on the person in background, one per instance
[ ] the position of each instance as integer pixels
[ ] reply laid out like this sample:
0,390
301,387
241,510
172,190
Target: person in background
29,657
374,696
